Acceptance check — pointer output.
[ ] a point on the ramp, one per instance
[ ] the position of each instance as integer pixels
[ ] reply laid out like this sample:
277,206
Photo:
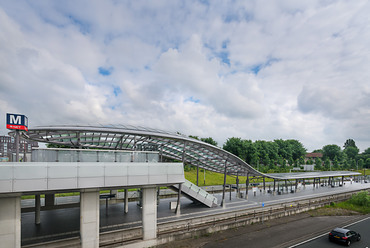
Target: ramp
196,194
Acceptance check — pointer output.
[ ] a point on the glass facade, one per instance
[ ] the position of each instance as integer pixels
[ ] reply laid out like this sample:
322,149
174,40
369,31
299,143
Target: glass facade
84,155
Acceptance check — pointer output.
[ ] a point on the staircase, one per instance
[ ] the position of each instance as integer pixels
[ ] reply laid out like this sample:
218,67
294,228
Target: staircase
196,194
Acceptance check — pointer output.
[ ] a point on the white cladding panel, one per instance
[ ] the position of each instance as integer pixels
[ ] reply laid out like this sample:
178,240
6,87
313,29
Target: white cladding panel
44,176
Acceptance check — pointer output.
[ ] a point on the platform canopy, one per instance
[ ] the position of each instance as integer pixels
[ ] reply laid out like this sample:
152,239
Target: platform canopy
170,145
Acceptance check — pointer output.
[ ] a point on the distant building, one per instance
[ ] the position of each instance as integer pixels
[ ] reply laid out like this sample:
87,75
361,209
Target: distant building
313,156
7,149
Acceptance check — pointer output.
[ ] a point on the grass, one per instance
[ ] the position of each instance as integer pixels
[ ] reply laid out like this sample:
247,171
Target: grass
358,204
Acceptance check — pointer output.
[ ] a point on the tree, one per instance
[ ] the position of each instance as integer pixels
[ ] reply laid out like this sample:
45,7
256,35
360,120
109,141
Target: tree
209,140
318,164
349,143
367,163
298,149
234,146
327,164
351,152
331,151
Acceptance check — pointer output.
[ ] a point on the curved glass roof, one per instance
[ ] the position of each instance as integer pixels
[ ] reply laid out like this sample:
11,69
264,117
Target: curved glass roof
170,145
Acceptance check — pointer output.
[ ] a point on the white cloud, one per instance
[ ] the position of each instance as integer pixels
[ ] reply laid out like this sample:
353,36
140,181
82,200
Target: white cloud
255,69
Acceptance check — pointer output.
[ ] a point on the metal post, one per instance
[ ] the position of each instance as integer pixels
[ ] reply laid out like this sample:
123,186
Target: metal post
17,145
264,184
178,200
246,188
237,184
198,173
274,185
286,185
314,180
230,188
223,191
296,185
342,180
37,209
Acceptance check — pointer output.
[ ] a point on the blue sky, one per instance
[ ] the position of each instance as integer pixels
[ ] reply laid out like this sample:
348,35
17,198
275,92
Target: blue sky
258,70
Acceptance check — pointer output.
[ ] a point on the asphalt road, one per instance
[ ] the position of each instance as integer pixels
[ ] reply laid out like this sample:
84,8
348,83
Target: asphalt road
362,227
278,233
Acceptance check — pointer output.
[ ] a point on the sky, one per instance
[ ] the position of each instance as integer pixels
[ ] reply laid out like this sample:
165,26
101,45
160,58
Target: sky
258,70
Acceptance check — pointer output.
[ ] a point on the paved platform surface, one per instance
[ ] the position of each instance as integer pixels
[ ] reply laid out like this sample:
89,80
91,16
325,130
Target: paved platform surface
67,220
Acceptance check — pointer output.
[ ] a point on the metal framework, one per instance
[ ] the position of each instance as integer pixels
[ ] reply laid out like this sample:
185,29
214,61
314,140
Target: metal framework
170,145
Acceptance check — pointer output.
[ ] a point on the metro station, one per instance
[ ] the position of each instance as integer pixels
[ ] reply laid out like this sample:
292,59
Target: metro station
117,159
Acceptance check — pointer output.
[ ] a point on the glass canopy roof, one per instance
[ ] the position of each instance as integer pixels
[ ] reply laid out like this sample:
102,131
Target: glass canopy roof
170,145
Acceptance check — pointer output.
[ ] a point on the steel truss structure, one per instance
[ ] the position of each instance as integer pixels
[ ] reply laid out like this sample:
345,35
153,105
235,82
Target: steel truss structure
170,145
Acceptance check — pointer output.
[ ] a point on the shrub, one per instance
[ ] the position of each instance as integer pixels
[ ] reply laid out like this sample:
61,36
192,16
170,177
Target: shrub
361,199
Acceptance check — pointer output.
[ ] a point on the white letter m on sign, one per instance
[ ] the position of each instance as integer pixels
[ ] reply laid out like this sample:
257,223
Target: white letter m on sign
15,120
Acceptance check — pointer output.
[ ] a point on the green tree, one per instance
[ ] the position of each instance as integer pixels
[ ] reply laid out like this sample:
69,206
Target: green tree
331,151
298,149
349,143
327,164
360,164
209,140
234,146
351,152
367,163
318,164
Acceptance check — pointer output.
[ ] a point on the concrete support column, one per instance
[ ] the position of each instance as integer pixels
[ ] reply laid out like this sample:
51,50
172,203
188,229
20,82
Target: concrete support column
126,201
89,219
37,209
49,200
264,184
10,222
149,213
274,185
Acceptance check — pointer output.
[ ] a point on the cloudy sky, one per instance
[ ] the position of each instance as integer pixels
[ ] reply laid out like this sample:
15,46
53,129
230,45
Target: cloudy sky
258,70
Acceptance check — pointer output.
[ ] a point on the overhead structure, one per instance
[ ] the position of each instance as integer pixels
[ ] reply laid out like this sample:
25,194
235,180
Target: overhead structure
169,145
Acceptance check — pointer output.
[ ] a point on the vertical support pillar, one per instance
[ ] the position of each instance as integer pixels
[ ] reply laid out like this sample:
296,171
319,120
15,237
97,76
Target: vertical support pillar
237,184
319,182
223,191
17,146
264,184
10,219
286,185
274,185
246,187
126,201
149,213
314,181
178,205
197,173
89,219
37,209
49,200
296,185
342,180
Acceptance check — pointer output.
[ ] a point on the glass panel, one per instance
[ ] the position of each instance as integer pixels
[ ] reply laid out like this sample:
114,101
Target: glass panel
123,157
88,156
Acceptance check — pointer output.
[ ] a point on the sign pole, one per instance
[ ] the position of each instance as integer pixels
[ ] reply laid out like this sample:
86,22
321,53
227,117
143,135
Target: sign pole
17,145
